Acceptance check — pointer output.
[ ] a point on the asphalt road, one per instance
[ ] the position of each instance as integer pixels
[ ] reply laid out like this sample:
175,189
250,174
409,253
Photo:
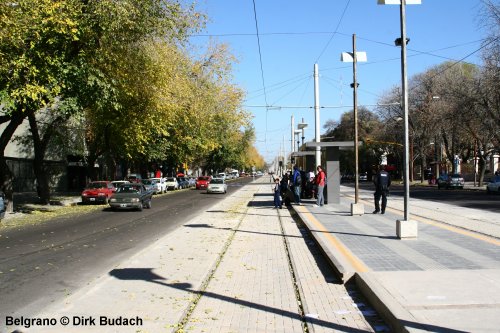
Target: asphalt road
478,199
42,264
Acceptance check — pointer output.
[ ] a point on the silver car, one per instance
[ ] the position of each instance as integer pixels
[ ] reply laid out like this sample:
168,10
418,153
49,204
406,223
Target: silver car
217,185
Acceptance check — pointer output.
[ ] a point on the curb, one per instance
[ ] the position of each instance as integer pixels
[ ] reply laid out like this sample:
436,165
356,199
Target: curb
393,313
342,268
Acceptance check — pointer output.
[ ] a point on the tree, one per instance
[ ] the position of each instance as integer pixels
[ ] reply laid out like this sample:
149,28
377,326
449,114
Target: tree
368,128
36,40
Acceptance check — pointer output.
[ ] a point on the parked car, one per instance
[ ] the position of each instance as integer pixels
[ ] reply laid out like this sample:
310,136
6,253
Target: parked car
493,187
149,184
192,181
451,181
217,185
160,185
202,182
171,183
131,196
183,182
118,183
363,177
222,175
3,205
98,191
134,178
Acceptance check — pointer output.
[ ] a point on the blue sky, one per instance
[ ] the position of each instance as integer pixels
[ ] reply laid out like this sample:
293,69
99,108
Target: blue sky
294,35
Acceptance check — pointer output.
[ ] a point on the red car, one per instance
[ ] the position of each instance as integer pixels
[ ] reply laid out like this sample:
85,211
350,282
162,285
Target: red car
98,191
202,182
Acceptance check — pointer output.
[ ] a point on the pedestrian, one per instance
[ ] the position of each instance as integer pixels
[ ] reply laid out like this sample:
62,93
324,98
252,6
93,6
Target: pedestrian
285,190
382,181
297,182
277,193
320,183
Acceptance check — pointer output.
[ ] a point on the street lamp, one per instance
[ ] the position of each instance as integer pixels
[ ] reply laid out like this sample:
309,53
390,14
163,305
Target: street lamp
302,126
297,133
404,228
355,57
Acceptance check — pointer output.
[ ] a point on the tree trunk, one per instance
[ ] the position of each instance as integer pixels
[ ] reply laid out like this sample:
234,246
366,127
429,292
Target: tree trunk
482,170
42,187
6,176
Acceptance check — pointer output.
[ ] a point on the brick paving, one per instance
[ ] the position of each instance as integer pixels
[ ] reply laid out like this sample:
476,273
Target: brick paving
226,270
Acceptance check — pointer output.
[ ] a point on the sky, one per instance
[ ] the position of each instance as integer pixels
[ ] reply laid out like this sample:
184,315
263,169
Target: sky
294,35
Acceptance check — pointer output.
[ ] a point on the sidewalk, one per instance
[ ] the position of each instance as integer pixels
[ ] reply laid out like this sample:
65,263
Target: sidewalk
446,280
240,266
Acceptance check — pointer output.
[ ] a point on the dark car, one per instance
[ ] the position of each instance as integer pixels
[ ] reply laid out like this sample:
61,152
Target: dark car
451,181
98,192
131,196
3,205
183,182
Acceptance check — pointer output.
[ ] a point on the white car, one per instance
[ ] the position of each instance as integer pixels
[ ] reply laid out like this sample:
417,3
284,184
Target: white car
217,185
493,187
221,175
160,185
118,183
171,183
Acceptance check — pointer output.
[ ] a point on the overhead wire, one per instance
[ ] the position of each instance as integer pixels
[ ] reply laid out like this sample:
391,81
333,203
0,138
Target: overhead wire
260,59
335,31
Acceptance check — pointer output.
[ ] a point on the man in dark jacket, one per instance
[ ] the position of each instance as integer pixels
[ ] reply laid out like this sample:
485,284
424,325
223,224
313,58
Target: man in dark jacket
297,182
382,181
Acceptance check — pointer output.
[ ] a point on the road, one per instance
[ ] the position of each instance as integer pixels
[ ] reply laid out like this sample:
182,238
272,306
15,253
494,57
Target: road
41,264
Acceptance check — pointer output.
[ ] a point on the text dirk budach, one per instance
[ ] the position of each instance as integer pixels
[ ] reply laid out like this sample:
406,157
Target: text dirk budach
27,322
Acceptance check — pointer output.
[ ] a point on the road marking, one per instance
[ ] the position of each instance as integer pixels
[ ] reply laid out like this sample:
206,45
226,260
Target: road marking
351,258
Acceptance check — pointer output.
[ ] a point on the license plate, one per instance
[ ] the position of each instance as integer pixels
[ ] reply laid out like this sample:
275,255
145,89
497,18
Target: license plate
123,205
92,199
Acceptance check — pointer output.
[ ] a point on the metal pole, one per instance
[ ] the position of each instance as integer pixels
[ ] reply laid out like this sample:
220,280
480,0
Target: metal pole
404,84
292,144
316,115
355,102
303,132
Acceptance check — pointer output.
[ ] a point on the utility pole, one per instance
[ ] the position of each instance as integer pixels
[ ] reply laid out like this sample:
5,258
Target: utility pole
292,139
316,115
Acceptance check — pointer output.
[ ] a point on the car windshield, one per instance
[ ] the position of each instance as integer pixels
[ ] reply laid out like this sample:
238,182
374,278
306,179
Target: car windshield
96,185
148,182
128,189
456,175
203,178
217,181
170,179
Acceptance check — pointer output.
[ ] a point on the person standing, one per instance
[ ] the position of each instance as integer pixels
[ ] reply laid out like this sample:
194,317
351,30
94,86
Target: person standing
297,182
277,193
320,182
382,181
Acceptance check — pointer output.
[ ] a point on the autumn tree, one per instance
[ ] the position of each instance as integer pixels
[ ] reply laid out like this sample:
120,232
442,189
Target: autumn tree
36,54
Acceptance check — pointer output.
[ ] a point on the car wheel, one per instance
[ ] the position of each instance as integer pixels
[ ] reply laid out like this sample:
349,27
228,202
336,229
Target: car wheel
141,207
148,204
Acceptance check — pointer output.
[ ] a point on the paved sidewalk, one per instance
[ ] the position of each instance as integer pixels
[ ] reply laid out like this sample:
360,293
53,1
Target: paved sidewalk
446,280
241,266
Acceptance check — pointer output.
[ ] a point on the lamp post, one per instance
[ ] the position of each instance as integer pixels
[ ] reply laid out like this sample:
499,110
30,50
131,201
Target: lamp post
302,126
404,228
355,57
